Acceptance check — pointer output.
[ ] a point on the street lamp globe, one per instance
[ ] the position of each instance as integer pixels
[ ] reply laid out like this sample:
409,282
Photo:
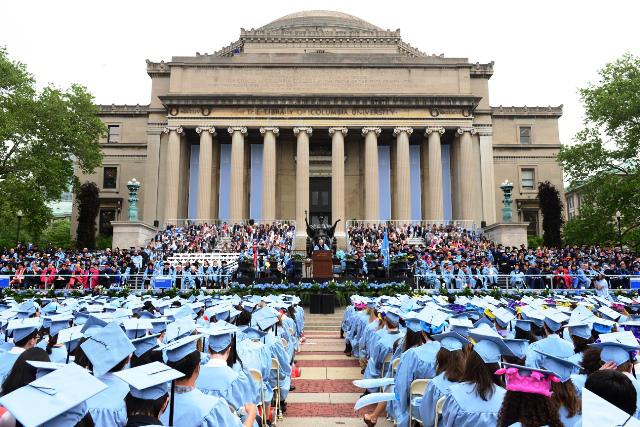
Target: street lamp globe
20,214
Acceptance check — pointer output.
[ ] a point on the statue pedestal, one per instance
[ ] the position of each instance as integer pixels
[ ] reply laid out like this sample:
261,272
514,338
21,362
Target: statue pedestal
341,240
300,242
508,233
128,234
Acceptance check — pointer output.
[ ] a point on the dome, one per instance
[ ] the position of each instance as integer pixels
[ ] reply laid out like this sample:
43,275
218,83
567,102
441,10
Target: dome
324,19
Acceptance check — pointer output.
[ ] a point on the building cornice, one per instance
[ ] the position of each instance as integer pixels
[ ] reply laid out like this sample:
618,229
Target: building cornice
328,100
527,111
123,110
527,146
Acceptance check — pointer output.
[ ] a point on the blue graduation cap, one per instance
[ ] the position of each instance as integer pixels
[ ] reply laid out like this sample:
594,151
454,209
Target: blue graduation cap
70,337
92,326
524,325
220,338
106,348
253,334
181,348
144,314
451,341
150,381
80,317
137,328
582,331
44,368
145,344
55,395
414,324
179,329
265,318
159,326
27,309
489,345
392,316
602,326
484,321
24,327
517,347
560,366
554,320
57,325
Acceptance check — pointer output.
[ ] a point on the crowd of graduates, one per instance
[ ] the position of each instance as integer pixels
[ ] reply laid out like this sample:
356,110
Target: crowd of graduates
99,361
484,362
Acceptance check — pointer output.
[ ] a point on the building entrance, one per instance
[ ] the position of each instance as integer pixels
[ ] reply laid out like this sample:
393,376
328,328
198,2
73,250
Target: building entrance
319,200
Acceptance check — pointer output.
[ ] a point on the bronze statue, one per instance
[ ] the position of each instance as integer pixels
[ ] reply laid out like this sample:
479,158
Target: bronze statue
320,231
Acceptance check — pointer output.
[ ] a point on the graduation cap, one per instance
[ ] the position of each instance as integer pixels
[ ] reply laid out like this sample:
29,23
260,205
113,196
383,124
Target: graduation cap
106,348
526,379
158,326
524,325
253,334
179,329
56,394
489,345
602,326
181,348
92,326
24,327
220,337
44,368
70,337
484,321
451,341
144,344
554,320
517,346
601,412
264,318
150,381
560,366
582,331
137,328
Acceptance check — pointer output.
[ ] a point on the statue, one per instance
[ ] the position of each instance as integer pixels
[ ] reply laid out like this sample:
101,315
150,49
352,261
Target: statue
322,231
133,187
507,211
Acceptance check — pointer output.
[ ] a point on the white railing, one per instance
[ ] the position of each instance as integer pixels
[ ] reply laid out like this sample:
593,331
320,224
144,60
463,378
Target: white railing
214,258
183,222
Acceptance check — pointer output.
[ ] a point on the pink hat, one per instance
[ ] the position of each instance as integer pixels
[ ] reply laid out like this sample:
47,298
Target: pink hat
527,380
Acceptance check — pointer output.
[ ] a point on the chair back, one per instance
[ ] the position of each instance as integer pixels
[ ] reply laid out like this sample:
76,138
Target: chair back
416,389
439,405
257,377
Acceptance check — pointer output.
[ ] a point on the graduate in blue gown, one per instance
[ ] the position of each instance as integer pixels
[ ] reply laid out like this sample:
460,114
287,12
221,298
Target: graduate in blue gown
193,408
25,335
449,368
382,344
108,351
255,355
217,378
551,343
476,401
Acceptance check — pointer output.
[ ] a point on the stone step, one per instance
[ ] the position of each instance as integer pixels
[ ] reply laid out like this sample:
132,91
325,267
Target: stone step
328,422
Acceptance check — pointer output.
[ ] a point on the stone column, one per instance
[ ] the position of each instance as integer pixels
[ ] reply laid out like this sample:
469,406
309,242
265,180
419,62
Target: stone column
302,184
371,178
436,200
236,180
403,173
172,170
337,183
465,184
269,172
205,168
488,177
151,176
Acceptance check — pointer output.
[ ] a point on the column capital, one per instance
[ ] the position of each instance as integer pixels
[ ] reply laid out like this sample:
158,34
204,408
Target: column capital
333,130
400,129
241,129
209,129
367,130
273,130
471,130
431,129
297,130
177,129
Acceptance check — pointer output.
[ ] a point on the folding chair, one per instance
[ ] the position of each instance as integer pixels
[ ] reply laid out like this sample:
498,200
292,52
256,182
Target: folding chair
257,377
439,405
416,389
275,366
394,366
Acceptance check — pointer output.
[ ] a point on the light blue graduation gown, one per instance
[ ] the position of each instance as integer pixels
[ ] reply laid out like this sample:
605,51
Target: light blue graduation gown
378,351
107,408
553,344
7,359
417,362
236,388
464,408
255,355
575,421
579,381
196,409
278,352
439,386
367,338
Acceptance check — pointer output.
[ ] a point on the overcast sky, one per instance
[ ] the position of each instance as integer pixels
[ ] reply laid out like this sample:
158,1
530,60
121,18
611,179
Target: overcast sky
543,50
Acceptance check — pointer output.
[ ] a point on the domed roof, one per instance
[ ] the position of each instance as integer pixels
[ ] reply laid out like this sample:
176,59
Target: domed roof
320,18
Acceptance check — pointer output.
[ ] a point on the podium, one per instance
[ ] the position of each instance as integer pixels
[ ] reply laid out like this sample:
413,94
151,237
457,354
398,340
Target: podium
322,264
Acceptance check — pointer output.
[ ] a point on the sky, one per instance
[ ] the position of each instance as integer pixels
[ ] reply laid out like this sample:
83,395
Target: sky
543,50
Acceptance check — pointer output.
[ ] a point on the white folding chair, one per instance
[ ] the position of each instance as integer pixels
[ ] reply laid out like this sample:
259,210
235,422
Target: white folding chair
439,405
257,377
416,389
275,366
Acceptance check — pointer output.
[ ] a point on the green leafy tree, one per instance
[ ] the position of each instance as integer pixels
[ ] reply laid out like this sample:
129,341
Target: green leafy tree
88,201
551,207
42,133
605,162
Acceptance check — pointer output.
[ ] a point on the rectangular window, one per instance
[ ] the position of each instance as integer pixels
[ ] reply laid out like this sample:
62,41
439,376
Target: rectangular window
525,134
570,203
114,134
110,177
104,226
528,179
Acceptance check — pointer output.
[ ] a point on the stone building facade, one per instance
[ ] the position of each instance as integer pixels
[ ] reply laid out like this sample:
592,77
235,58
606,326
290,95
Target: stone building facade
323,112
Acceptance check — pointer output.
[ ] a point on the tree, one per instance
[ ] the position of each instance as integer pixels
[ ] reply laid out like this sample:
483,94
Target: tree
42,133
605,162
551,207
88,205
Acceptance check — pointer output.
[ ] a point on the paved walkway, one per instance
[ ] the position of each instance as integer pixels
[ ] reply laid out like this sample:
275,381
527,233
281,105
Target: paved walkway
324,394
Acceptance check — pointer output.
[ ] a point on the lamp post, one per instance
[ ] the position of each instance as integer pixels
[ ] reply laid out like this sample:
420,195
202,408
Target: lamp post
133,186
507,211
618,220
20,214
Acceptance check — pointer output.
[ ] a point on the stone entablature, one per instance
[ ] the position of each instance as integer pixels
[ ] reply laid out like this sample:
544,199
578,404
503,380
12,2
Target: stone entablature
527,111
123,110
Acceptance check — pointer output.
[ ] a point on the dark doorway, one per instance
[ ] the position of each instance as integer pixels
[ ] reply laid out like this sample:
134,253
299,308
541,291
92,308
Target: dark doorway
319,200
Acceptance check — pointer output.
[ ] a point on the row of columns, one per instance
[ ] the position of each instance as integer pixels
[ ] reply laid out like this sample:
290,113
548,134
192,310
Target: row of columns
432,181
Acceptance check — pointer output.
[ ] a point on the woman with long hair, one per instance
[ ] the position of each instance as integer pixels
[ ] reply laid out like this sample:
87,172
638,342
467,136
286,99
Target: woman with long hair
475,402
22,373
527,402
450,361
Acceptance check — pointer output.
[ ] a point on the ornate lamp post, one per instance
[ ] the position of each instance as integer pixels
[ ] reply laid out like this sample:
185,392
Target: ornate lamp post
133,187
618,220
507,211
20,215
